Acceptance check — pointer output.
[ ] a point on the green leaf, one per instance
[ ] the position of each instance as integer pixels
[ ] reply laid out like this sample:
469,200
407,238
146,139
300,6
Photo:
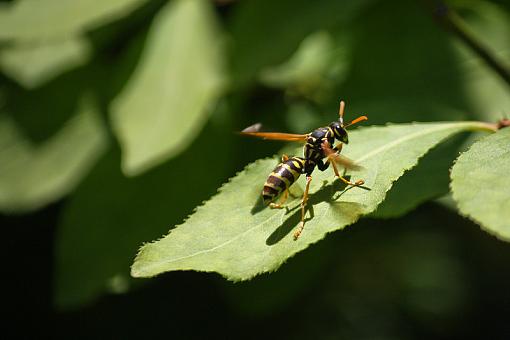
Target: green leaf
313,68
428,79
429,179
179,78
107,216
41,112
310,60
489,94
273,290
480,183
37,20
32,176
254,21
234,235
34,64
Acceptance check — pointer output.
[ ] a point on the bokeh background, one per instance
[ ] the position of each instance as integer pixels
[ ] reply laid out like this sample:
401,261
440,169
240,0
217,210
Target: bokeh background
117,120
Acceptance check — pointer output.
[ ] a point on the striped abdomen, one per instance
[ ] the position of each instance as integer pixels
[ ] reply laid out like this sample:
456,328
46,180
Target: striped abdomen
282,178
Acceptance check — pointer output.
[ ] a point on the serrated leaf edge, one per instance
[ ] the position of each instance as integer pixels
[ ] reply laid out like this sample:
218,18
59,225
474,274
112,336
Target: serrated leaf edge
457,203
469,126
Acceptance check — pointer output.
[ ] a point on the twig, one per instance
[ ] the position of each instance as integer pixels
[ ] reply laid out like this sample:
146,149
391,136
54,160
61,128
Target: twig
453,23
503,123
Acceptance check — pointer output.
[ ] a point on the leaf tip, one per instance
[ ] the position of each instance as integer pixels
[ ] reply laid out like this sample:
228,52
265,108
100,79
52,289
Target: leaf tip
136,272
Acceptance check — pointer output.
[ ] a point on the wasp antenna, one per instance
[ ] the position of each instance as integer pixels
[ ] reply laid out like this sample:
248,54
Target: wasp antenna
357,120
341,109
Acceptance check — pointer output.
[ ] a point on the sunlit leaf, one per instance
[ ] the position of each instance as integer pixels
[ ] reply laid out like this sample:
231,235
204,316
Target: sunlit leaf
33,64
233,234
32,176
35,20
167,100
480,183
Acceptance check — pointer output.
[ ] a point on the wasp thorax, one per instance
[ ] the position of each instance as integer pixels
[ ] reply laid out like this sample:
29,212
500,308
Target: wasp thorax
340,132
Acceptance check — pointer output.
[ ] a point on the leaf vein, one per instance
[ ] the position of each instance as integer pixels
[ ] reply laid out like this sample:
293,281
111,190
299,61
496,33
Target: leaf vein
218,246
402,140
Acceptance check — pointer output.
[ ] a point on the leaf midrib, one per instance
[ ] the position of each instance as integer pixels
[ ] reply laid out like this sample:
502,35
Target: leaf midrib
409,137
382,148
215,247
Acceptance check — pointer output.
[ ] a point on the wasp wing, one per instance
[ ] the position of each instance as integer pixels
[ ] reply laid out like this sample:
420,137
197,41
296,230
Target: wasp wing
275,136
339,159
253,128
346,162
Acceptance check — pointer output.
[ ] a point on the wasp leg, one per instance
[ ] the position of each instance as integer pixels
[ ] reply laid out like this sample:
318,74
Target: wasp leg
285,158
280,205
338,147
321,165
337,174
303,208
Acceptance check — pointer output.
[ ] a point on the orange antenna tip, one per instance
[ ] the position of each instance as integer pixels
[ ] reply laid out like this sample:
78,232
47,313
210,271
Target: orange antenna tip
357,120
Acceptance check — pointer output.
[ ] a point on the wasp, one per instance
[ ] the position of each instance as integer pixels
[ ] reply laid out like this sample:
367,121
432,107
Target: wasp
319,151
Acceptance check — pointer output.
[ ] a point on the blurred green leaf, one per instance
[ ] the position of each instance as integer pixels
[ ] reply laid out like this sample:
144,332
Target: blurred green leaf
318,61
397,73
480,183
266,33
310,59
428,180
33,64
405,67
302,117
166,102
108,215
32,176
488,94
42,111
488,21
47,20
233,234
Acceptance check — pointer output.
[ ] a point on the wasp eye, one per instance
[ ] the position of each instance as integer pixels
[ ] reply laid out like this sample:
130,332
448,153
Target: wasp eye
339,131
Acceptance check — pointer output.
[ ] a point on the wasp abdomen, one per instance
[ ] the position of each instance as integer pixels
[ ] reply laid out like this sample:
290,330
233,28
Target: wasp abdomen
282,178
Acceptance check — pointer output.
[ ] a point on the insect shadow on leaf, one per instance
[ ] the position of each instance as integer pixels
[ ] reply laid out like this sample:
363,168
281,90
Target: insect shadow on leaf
329,193
321,149
258,206
295,192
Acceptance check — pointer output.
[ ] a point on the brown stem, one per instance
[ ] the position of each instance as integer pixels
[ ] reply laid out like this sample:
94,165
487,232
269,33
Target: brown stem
503,123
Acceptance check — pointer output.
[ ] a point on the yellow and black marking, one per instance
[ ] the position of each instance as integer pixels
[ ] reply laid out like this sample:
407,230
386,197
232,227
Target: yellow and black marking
282,177
313,147
319,151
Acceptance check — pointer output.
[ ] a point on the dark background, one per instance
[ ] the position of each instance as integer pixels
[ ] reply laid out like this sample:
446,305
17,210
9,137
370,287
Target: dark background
428,274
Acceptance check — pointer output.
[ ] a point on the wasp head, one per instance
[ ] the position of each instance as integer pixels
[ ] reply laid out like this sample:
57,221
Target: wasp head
339,128
340,132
